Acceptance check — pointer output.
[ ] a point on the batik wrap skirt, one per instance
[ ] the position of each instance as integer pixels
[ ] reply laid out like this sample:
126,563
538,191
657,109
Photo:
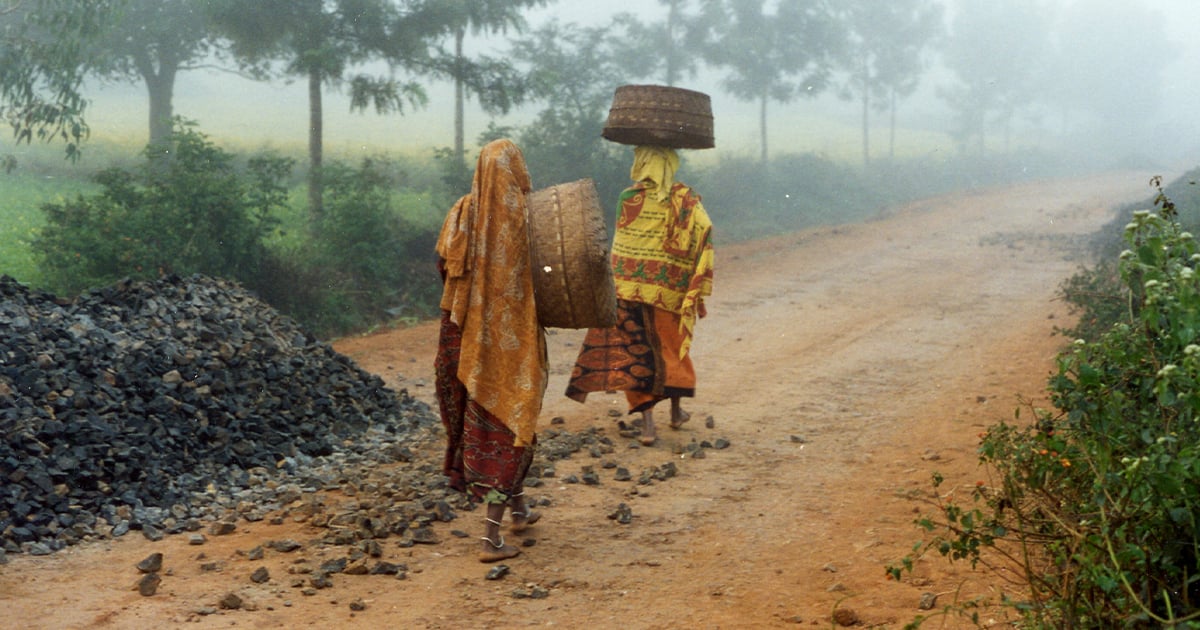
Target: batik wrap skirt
480,457
639,356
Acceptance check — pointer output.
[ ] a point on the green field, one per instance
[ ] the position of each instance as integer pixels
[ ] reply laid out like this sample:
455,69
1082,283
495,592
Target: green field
21,199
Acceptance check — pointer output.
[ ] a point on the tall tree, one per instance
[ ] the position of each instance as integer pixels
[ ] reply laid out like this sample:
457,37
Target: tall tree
152,41
885,57
494,82
773,56
43,49
663,50
995,50
323,41
573,72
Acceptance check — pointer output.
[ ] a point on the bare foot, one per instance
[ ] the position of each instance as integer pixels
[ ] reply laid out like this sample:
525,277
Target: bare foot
492,552
678,417
649,434
522,521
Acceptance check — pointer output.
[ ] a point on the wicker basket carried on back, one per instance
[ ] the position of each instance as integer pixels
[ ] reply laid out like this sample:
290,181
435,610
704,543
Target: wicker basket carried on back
660,115
572,269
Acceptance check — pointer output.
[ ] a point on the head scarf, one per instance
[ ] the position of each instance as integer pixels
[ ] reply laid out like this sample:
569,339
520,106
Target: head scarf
488,291
655,167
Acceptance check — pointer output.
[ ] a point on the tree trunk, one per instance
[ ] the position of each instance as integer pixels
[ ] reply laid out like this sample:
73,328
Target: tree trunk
762,126
161,91
158,72
864,75
866,123
672,70
459,140
315,149
892,127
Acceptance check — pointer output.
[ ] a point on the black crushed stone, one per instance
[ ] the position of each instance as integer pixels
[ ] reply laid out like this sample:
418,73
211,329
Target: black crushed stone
157,406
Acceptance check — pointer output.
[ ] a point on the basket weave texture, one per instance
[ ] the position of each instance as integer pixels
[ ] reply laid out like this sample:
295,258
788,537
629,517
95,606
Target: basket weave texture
660,115
572,270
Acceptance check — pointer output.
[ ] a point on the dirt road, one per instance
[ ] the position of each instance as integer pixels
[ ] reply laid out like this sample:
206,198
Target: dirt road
843,366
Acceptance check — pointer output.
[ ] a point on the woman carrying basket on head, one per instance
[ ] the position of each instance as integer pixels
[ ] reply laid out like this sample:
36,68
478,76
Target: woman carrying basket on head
491,363
662,261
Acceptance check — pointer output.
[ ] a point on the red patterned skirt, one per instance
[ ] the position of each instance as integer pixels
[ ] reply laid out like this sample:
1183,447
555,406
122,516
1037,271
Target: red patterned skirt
480,456
639,356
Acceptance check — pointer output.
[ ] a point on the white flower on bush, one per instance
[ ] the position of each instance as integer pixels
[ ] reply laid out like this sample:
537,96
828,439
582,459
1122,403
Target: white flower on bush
1132,463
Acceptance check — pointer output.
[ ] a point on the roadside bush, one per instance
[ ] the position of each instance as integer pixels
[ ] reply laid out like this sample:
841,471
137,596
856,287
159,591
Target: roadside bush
1096,294
1099,502
363,263
1096,298
192,212
200,211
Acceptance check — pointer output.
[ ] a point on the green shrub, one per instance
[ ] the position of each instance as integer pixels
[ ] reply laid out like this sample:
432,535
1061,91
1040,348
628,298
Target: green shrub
201,211
193,212
1096,294
1096,298
795,191
1099,502
363,263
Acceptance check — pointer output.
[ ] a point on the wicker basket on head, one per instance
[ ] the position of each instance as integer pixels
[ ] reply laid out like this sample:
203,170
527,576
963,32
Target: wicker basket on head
660,115
572,270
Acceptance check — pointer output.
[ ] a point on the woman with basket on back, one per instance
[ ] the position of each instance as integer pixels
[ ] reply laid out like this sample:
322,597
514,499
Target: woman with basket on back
491,366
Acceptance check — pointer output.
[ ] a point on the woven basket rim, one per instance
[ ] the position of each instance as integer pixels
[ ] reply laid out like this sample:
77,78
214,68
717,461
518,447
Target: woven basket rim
661,88
661,115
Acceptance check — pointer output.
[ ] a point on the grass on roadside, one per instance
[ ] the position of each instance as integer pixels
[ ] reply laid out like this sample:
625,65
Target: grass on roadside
21,217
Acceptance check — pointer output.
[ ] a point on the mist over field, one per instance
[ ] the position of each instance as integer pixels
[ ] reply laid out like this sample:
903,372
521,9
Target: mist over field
1144,83
824,113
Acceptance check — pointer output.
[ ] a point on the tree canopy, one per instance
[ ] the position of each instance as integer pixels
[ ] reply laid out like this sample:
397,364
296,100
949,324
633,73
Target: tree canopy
43,49
152,41
662,50
494,82
773,56
886,53
573,73
996,52
326,42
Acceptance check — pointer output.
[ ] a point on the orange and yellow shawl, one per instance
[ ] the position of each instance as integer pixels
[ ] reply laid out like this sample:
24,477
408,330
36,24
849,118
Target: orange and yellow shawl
662,253
489,292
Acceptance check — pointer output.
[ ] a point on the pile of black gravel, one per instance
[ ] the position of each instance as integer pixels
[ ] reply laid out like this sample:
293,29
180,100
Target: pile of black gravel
152,405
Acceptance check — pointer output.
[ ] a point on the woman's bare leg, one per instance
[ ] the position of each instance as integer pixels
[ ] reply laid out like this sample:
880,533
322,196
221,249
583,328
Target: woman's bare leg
649,433
678,415
493,546
522,515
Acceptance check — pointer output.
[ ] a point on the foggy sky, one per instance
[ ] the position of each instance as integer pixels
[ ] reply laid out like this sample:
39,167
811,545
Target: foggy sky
254,114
